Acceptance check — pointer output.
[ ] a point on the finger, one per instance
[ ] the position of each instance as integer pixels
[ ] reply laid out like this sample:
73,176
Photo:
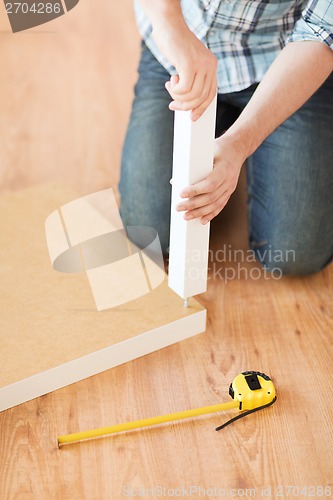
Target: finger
201,200
209,217
201,108
174,80
197,100
198,93
201,102
211,183
209,211
184,84
176,106
205,210
170,83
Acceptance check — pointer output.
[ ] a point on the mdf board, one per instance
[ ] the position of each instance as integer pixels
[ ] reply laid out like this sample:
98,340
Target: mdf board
51,333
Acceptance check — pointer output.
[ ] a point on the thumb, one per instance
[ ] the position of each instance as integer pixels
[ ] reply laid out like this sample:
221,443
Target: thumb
174,80
170,84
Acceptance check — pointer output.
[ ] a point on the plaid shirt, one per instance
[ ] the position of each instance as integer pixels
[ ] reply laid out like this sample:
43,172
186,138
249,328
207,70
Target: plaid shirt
247,35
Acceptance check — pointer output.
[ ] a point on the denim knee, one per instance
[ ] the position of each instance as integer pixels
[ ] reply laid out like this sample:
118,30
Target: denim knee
289,259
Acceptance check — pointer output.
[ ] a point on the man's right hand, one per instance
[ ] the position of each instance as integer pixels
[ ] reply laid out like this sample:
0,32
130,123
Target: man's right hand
195,85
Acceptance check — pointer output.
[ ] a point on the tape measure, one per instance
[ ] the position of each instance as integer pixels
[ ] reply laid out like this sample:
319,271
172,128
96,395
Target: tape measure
251,391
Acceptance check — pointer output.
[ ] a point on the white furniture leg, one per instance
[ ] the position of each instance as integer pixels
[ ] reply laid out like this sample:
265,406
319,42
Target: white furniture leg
189,240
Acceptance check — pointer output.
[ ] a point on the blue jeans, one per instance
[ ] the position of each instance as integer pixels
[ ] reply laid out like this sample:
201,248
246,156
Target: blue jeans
289,177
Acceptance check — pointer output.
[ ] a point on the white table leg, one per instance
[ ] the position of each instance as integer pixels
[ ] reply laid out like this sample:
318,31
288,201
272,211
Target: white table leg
189,240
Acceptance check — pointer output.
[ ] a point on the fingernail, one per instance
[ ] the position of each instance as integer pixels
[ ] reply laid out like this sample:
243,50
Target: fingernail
188,217
204,221
180,208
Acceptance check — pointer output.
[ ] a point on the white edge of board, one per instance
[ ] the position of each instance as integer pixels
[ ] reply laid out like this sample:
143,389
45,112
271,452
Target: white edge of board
104,359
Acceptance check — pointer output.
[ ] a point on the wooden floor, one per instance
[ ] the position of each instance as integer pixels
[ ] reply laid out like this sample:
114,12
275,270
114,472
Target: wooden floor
65,97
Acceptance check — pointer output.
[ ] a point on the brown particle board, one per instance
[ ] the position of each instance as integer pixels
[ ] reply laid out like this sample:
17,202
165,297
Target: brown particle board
49,319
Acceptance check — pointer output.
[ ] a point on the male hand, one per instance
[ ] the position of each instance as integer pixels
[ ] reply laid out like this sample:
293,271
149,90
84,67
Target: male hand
195,86
207,198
